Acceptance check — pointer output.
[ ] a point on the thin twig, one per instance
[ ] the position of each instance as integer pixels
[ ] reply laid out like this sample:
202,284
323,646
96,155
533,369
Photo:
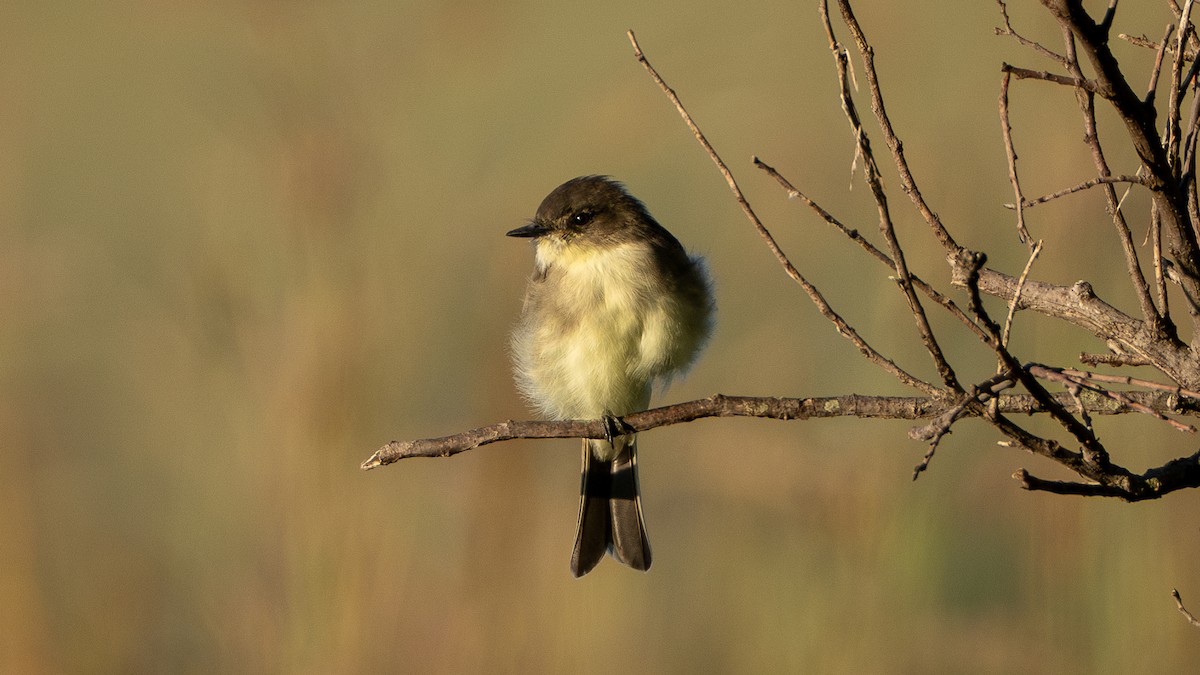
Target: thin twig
1085,185
1131,381
1158,59
886,227
1193,41
1189,78
1087,108
907,183
1189,150
984,392
1181,86
712,153
1177,89
1144,41
1183,610
1045,76
1105,24
1160,280
1073,382
1016,299
1013,304
1189,146
870,248
1011,153
1141,125
1076,392
1095,460
1008,30
814,294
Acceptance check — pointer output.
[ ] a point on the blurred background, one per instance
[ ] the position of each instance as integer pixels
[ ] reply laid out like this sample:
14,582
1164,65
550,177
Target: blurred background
244,243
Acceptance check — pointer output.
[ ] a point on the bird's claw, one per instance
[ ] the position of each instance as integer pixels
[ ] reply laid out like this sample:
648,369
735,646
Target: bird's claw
615,427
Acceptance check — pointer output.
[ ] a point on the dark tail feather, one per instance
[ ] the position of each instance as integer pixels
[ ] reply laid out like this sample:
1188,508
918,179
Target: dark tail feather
629,543
610,513
593,534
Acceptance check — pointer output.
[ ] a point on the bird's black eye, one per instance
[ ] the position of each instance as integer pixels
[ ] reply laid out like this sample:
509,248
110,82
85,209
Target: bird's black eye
582,218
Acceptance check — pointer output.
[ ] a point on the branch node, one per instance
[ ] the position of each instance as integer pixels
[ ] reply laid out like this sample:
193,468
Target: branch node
1082,291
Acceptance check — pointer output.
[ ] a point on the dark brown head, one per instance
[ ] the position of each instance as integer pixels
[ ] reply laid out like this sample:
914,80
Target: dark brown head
594,209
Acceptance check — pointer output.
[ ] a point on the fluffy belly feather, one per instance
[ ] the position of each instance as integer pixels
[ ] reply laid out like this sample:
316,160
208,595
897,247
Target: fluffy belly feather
592,342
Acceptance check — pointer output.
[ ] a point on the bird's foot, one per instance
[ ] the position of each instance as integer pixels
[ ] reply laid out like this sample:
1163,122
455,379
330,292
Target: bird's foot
615,427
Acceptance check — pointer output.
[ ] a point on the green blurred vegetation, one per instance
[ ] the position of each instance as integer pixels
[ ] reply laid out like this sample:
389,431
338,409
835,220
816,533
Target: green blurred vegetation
244,243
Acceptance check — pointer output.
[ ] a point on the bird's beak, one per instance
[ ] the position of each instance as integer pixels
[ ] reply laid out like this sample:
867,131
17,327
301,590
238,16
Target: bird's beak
533,229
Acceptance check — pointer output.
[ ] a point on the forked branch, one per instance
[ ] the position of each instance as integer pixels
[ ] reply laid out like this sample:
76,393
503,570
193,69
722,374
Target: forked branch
1167,173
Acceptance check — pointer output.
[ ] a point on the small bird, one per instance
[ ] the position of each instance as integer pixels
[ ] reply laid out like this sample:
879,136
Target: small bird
614,306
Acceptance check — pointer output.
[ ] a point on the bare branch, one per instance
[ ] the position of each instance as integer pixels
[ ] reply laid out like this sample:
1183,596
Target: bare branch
1008,30
1087,184
1016,299
907,183
1177,474
1158,60
1033,483
1011,153
870,248
886,227
1093,462
1189,149
843,328
935,431
1131,381
1178,92
1073,382
1144,41
1160,279
1027,74
712,153
1112,359
1085,99
1193,41
1141,124
1178,88
719,405
1106,23
1183,610
1078,304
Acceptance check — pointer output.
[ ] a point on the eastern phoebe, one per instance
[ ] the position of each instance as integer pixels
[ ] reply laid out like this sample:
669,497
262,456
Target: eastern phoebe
614,305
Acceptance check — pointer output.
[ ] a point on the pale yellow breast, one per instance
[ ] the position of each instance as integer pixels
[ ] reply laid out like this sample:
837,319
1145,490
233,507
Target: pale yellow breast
602,359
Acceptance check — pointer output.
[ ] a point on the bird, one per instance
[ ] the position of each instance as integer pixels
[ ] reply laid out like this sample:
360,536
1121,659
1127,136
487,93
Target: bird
615,307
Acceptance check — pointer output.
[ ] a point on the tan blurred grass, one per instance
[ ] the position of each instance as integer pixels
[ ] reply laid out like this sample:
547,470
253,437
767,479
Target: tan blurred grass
242,244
